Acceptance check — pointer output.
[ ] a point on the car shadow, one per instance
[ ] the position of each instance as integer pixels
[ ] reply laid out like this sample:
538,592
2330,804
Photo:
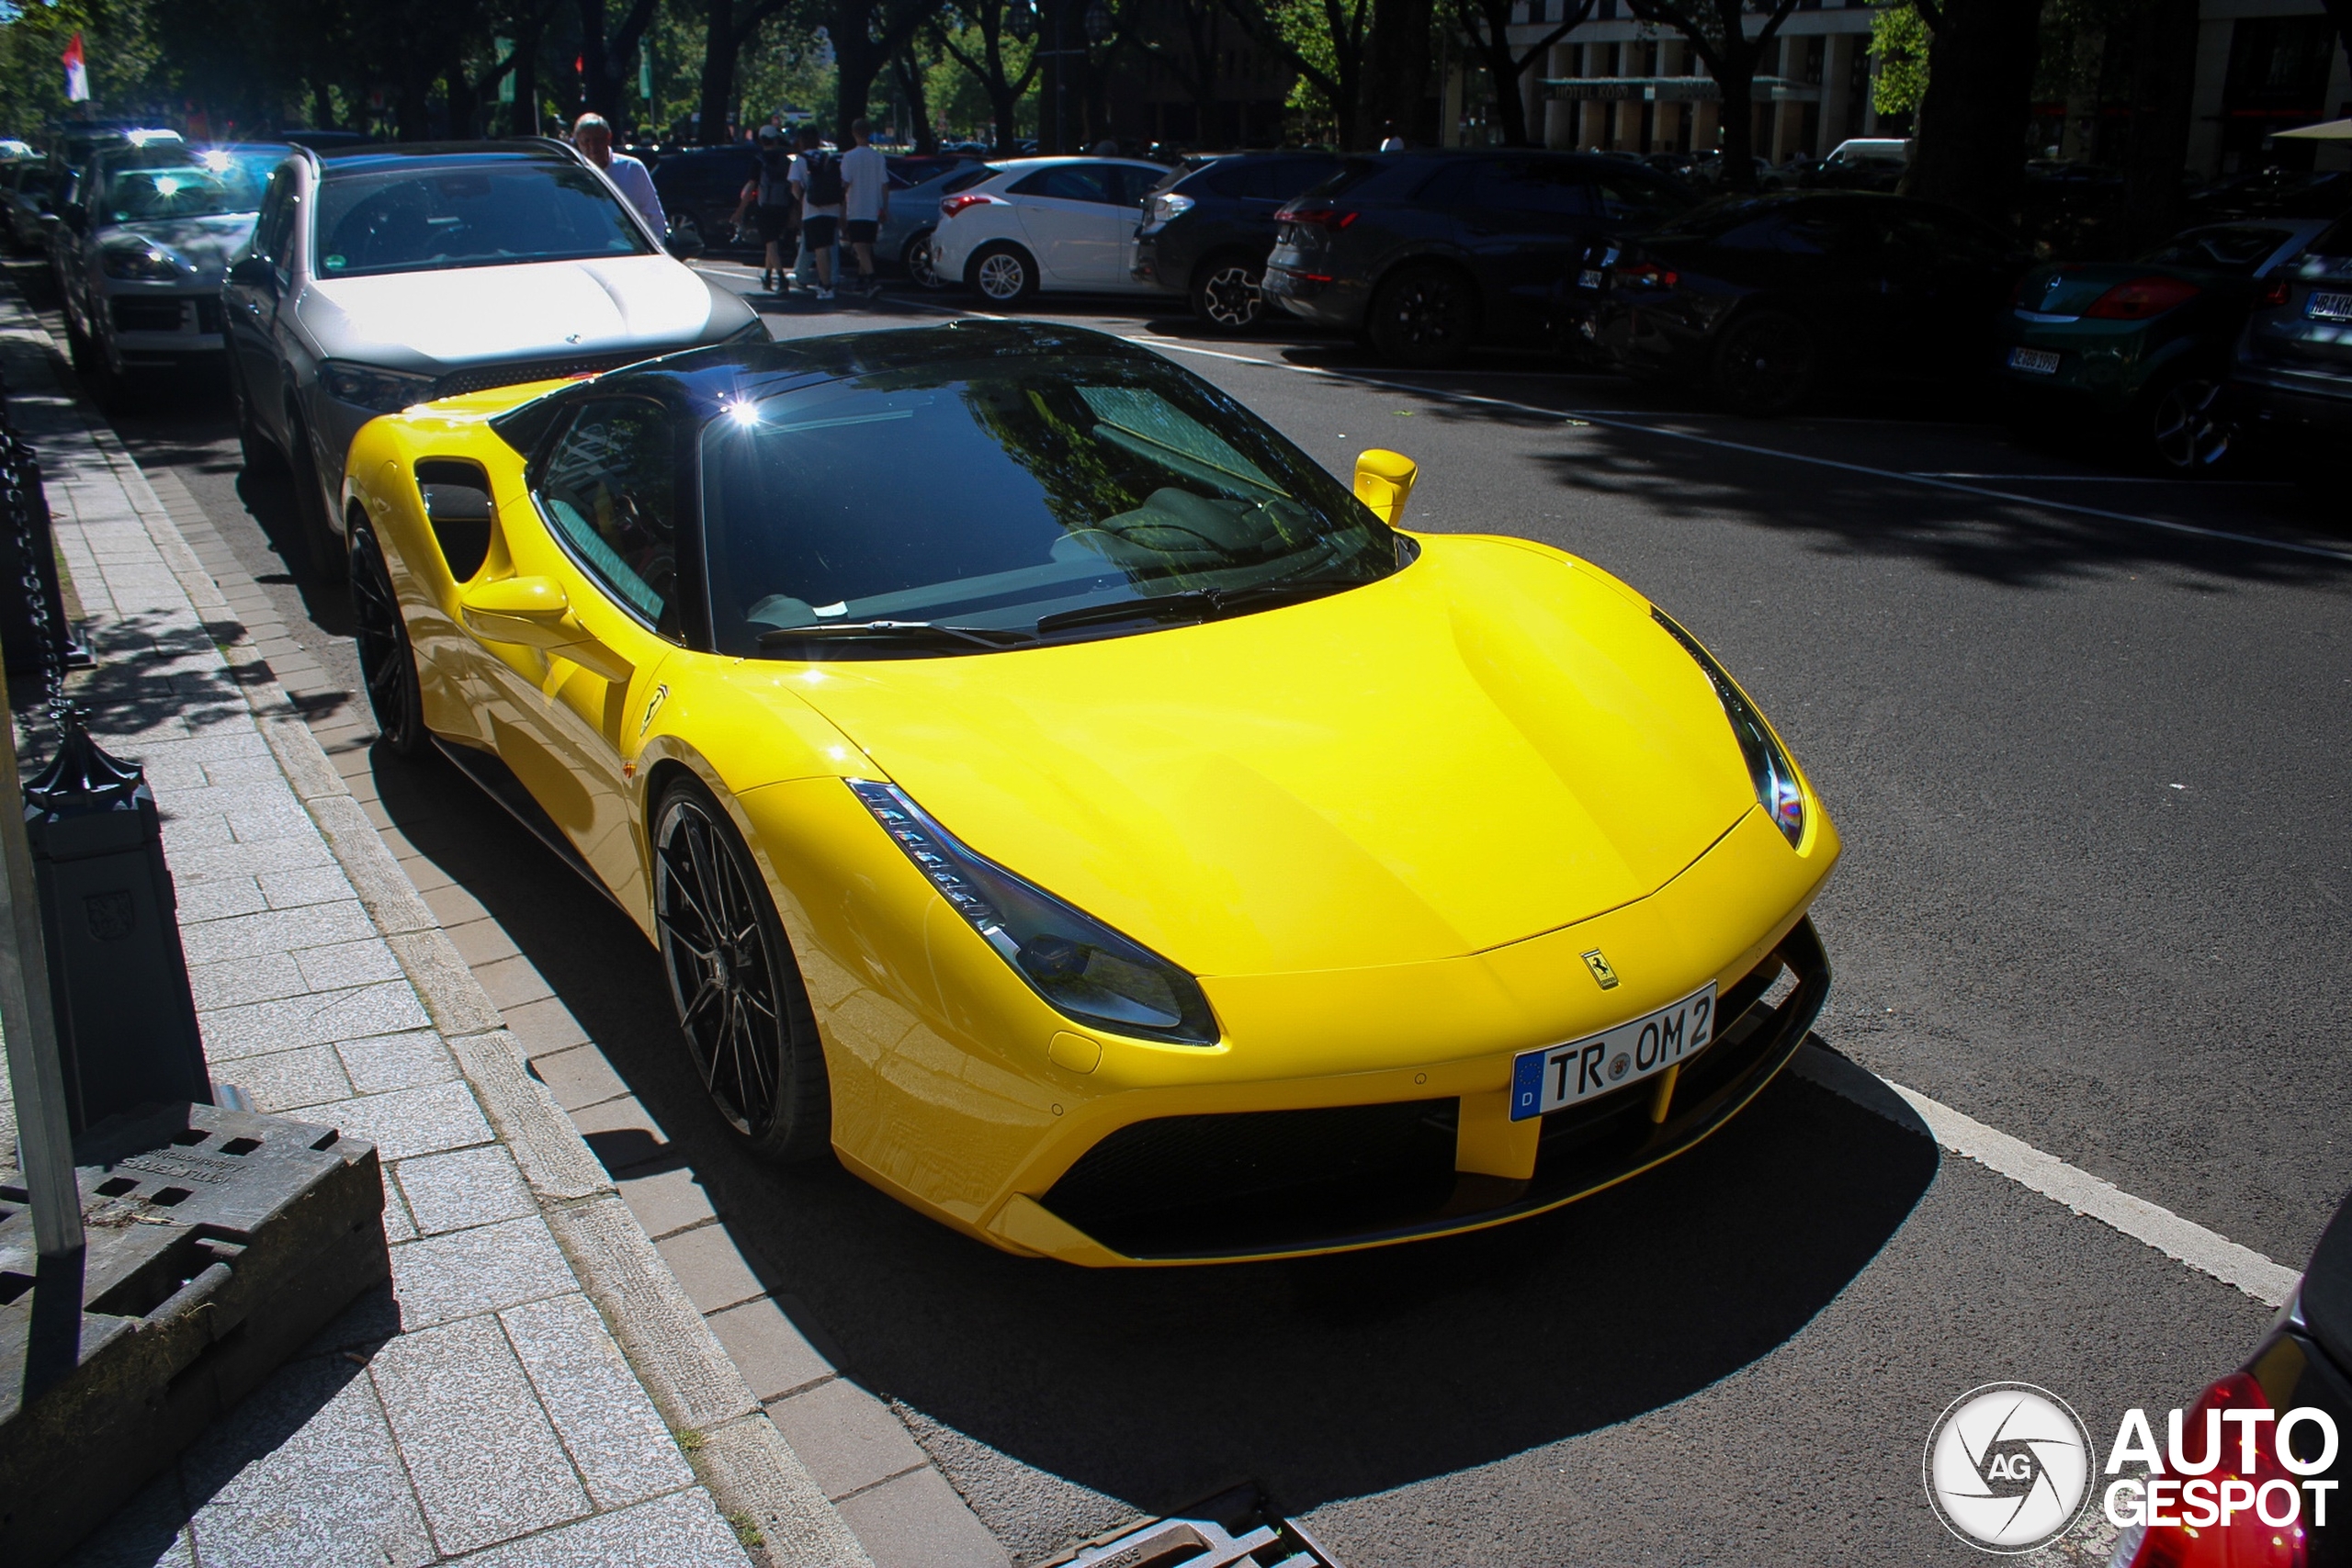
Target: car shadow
1319,1378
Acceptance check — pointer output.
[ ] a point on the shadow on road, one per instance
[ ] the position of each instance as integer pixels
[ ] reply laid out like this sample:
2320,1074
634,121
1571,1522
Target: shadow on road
1321,1378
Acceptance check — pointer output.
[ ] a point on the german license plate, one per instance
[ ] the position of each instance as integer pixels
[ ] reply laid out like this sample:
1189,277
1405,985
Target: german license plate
1589,278
2036,361
2329,307
1563,1074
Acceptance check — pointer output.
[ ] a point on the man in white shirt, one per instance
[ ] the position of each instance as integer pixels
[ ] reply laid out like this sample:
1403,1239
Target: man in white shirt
866,177
593,137
817,181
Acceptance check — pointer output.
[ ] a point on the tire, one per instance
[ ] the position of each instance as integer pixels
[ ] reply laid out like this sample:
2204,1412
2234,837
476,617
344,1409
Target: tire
1765,363
741,1009
387,661
1225,294
1003,275
2181,427
1424,315
325,550
916,258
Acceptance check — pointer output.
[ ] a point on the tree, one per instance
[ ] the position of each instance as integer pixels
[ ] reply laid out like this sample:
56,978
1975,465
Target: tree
1486,22
1396,73
1716,31
727,25
865,34
1899,38
910,74
1971,145
1327,43
604,58
1191,61
2163,75
989,68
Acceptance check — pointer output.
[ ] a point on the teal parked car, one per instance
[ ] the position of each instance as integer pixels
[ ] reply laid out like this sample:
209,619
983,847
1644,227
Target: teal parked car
2137,352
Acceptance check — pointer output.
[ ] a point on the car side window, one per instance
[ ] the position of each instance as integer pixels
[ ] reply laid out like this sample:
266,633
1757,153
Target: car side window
1070,182
1280,179
1627,198
608,492
1535,184
274,231
1132,187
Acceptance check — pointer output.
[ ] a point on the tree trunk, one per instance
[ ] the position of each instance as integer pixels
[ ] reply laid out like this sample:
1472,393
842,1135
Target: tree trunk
1005,104
2163,75
1738,120
526,110
717,72
597,95
1398,70
322,104
910,74
461,101
1980,98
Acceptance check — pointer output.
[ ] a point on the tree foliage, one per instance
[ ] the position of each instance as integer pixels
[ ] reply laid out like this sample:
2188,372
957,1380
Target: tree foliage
1899,37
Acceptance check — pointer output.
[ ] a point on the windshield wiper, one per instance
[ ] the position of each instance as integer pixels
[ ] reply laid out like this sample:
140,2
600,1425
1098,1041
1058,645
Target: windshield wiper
1199,603
894,631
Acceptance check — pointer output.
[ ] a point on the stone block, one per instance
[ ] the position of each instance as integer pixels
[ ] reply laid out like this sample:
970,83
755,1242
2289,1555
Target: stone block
610,1428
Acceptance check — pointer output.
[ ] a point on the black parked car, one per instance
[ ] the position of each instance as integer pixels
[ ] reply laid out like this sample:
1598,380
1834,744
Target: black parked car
2293,374
1762,299
699,190
1426,254
1207,227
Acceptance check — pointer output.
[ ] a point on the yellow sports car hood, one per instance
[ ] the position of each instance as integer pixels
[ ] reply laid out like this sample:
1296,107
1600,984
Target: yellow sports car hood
1489,744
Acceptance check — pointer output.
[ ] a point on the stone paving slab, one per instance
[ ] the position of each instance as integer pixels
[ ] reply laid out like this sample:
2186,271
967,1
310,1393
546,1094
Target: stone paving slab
481,1406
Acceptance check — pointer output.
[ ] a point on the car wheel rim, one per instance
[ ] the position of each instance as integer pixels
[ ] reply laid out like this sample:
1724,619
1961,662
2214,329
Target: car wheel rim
918,266
1426,314
2188,434
1001,277
1231,296
722,976
383,650
1767,364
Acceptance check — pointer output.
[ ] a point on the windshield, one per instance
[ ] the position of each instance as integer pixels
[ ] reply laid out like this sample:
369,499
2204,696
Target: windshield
995,494
490,213
2236,250
206,185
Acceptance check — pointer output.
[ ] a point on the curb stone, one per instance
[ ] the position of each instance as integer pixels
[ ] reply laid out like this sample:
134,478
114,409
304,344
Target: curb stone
744,1461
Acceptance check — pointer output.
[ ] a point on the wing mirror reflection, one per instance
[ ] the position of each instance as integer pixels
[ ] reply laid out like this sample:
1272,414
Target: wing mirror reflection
1383,481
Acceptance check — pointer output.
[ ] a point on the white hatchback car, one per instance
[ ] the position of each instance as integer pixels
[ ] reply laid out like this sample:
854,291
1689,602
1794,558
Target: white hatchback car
1046,223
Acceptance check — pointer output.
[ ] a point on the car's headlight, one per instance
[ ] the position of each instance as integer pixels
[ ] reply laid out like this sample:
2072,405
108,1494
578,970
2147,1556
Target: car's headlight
1776,789
1081,967
141,260
373,387
1170,205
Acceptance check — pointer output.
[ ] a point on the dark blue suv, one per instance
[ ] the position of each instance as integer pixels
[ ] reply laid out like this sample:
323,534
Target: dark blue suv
1207,227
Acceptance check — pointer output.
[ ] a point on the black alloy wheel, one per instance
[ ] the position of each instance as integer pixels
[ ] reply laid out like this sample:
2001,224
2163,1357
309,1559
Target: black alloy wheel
1424,316
387,663
1226,296
916,257
326,552
1003,275
1765,363
2187,432
740,1004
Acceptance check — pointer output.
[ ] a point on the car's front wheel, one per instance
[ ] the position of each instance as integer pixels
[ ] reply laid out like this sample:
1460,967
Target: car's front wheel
1424,316
749,1031
1765,363
387,663
2184,428
1225,296
1001,274
916,257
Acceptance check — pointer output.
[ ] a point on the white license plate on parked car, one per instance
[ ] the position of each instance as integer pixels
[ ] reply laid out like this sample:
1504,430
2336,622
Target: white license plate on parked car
1562,1075
1589,278
2329,307
2037,361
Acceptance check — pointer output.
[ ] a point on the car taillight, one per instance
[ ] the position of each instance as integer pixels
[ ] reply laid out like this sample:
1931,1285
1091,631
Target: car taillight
2278,290
2140,299
1647,275
953,205
1329,218
2244,1541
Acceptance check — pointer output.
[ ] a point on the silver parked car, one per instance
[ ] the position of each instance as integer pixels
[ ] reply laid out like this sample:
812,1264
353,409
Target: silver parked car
140,248
385,275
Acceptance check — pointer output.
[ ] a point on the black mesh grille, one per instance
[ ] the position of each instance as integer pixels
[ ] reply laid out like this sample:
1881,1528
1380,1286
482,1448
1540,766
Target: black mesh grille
482,378
208,314
132,315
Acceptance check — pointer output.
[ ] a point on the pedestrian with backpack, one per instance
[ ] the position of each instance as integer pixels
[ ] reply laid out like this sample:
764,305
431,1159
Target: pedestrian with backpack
866,173
817,181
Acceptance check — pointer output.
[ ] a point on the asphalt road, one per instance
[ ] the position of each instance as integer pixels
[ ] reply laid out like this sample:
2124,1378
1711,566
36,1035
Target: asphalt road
2087,754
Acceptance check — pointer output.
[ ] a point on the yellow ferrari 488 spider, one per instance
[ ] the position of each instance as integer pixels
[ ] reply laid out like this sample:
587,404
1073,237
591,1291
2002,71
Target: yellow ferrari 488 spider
1058,797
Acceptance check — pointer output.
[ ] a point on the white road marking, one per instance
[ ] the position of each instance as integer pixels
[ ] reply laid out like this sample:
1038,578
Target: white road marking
1614,421
2182,1240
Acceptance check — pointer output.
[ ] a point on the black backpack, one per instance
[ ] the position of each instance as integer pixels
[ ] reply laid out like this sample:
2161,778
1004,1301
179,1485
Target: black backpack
824,180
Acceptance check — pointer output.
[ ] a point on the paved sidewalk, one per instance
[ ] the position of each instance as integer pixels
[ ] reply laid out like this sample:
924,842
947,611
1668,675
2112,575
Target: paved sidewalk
533,1387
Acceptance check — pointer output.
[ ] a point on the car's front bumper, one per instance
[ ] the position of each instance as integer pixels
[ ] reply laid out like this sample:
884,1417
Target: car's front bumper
149,324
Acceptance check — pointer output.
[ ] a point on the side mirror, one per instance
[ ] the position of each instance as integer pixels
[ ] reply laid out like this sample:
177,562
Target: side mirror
254,272
1383,481
686,243
535,612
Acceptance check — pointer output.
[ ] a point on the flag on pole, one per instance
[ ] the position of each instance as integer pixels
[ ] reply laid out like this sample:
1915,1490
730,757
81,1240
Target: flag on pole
77,76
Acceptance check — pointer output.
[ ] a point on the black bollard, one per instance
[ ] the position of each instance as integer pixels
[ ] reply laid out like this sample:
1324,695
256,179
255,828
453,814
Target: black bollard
126,1020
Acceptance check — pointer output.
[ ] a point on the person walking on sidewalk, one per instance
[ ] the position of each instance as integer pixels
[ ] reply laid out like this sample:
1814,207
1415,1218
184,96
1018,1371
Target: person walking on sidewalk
594,136
769,195
865,178
817,181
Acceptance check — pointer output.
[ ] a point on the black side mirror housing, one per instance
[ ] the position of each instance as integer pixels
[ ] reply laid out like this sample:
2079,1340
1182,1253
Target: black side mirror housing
254,272
684,243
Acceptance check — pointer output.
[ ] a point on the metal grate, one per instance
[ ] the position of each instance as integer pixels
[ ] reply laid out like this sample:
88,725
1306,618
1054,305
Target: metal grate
1235,1529
208,314
135,315
483,377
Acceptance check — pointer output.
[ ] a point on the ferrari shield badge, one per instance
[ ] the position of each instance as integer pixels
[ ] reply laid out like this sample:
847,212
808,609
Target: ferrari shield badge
1600,970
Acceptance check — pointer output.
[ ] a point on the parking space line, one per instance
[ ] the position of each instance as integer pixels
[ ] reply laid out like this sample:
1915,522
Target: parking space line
1609,422
2185,1241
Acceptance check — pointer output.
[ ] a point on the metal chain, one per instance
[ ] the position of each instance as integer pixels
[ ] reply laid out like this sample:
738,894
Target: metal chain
19,504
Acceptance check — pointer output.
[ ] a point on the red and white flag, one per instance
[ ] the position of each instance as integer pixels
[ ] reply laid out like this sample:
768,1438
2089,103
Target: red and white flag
77,76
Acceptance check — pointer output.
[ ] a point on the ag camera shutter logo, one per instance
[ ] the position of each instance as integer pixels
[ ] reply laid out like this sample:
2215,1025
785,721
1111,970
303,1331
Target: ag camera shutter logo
2008,1467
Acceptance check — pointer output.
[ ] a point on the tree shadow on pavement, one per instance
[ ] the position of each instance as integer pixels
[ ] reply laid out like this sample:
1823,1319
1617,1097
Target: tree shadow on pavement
1320,1378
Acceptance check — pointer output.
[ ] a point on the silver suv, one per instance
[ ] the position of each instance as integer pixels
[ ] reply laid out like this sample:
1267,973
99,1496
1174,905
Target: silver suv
384,275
